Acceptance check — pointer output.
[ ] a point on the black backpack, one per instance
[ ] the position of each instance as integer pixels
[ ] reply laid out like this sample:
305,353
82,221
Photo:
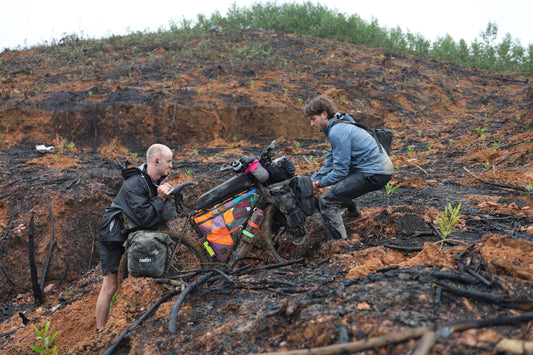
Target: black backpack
383,136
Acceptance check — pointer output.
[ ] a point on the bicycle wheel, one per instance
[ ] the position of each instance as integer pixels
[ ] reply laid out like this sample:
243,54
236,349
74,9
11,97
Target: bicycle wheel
282,245
188,257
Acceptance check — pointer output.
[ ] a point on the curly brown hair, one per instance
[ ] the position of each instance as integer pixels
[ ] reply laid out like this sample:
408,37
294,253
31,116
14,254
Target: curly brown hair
318,105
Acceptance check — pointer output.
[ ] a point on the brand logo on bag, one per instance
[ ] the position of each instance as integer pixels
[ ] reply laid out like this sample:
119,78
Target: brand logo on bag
145,260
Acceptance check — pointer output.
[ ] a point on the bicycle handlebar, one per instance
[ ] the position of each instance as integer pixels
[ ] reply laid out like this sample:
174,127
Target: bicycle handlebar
176,189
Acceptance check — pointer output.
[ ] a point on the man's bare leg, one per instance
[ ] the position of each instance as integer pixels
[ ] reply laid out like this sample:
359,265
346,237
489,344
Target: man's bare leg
109,286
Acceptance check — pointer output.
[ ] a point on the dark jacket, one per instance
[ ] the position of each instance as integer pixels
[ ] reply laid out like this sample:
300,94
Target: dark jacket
137,199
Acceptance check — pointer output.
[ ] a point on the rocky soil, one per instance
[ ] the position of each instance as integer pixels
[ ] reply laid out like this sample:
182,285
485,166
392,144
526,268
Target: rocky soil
461,136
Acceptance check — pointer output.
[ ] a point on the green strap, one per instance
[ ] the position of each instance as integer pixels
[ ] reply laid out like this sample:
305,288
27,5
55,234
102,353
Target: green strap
245,232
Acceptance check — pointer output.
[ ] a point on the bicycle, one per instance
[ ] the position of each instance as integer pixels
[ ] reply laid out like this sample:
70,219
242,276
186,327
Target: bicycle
192,252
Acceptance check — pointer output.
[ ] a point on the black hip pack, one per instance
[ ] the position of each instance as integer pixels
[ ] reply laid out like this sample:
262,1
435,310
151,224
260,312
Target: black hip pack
148,253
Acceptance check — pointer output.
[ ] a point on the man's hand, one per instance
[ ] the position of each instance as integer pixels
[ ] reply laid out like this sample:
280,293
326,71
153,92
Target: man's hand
164,190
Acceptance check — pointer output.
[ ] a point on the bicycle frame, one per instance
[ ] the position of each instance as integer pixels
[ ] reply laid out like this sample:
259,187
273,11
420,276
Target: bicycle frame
184,212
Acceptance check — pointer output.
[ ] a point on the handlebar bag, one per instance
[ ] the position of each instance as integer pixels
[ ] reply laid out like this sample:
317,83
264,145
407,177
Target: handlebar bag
280,169
222,223
148,253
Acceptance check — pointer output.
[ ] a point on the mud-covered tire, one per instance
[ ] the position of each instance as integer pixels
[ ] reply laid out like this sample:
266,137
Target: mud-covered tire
188,259
284,247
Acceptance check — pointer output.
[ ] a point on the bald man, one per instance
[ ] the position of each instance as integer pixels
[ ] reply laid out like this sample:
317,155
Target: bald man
142,199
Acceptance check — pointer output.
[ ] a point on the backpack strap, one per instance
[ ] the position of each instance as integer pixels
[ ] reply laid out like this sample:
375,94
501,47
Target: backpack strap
370,130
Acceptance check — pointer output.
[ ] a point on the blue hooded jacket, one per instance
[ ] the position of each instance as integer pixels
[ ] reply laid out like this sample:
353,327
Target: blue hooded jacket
353,150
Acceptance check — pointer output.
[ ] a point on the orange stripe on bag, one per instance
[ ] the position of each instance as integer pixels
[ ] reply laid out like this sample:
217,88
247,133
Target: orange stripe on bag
253,225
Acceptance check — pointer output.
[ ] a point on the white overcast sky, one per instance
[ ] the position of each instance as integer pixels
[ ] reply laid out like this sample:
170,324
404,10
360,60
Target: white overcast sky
29,22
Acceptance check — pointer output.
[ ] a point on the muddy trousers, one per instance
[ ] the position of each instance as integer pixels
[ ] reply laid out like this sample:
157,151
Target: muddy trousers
342,194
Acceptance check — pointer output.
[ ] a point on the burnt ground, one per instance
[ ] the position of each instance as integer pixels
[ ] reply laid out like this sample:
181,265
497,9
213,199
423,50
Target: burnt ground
461,136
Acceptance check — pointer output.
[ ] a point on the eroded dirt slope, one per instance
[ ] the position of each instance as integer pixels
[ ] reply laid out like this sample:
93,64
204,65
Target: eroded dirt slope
461,136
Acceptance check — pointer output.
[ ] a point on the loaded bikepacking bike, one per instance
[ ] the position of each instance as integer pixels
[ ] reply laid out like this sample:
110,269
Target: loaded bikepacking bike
249,210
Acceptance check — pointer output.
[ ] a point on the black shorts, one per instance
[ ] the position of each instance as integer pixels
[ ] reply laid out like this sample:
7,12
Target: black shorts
110,254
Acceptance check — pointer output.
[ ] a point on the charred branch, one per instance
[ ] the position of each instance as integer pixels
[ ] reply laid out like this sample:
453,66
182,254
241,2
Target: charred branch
485,297
37,293
9,333
4,270
403,248
62,276
173,318
477,276
52,243
502,186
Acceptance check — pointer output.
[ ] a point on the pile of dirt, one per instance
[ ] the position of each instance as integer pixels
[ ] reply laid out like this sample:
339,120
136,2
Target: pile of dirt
462,136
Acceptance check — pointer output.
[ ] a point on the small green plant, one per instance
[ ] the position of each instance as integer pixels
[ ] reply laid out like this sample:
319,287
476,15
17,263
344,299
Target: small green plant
296,144
481,132
133,155
312,159
486,166
188,172
65,294
46,341
429,145
71,146
495,145
529,189
406,139
389,189
410,151
56,157
447,220
517,117
419,132
195,152
114,299
235,139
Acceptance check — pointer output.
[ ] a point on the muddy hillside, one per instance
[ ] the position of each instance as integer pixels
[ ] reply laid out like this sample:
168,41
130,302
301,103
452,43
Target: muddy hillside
72,115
